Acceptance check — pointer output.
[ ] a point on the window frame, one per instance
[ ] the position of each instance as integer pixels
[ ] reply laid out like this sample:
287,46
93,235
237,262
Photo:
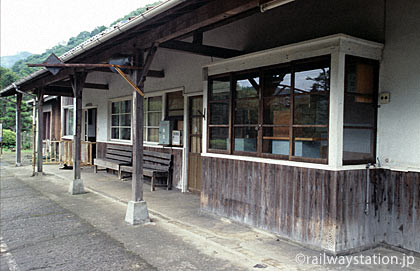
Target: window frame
66,109
146,118
115,100
261,73
374,128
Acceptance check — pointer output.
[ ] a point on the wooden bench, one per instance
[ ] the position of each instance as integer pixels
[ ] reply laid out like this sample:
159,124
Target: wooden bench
115,156
156,165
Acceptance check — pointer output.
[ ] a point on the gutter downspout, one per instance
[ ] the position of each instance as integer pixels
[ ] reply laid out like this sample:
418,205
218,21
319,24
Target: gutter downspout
367,188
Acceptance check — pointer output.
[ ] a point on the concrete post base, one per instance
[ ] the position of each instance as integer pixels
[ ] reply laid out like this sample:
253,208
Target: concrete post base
76,187
137,213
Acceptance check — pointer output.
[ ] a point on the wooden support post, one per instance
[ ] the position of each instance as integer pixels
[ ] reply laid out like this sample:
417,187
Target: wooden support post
40,131
77,81
137,209
18,130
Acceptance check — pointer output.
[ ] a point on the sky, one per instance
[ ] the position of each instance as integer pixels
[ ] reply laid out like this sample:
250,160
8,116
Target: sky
36,25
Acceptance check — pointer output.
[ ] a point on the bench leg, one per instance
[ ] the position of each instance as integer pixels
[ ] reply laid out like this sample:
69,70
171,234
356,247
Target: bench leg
169,181
152,184
95,169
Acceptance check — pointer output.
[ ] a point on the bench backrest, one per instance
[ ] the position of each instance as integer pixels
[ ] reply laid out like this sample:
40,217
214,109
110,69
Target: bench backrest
151,159
157,160
119,153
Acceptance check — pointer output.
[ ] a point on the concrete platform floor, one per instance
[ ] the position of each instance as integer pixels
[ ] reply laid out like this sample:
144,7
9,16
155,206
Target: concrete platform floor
218,237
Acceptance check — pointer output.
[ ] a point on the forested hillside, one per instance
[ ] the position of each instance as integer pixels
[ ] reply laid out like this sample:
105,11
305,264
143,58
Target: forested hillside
8,61
20,70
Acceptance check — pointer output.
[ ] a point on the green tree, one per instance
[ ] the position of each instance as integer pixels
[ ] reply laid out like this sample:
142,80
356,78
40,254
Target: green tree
8,105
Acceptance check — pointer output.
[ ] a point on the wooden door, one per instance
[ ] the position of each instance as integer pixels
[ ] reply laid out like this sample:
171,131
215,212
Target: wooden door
195,140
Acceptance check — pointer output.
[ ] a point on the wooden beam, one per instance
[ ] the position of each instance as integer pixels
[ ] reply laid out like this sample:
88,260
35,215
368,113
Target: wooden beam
150,73
77,82
208,14
40,129
86,85
18,130
83,65
150,55
58,91
137,134
198,49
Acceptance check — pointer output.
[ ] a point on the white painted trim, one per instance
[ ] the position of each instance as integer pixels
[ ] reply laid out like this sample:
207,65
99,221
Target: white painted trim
163,91
306,49
284,162
145,144
186,146
192,94
336,113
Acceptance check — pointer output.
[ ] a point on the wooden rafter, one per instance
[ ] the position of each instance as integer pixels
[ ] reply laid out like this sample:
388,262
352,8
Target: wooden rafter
200,49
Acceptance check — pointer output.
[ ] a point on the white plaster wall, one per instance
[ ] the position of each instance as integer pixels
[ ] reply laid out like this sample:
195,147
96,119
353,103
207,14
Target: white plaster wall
100,98
181,70
399,121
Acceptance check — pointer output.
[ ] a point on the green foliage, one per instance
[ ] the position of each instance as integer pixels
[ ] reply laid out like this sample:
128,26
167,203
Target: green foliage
8,105
136,12
9,138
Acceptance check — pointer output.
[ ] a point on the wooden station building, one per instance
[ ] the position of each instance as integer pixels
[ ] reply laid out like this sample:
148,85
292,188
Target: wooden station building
297,117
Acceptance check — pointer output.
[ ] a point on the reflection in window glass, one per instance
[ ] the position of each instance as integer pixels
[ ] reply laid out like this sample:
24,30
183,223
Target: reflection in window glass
313,80
247,88
310,142
219,138
219,113
358,144
360,109
276,140
277,83
219,89
246,139
311,109
246,111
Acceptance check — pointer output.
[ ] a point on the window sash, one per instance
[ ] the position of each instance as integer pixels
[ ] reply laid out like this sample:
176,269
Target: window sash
291,68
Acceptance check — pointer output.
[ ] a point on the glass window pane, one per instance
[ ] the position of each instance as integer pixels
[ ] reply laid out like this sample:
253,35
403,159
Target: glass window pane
276,140
246,139
219,113
311,142
219,138
246,111
276,83
358,113
219,89
125,120
358,144
277,110
197,106
311,109
247,86
115,107
115,134
154,103
125,133
175,100
126,106
312,80
153,134
154,119
196,126
115,120
360,77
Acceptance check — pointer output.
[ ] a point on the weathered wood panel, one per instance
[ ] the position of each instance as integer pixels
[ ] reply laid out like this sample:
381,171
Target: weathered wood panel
319,208
56,120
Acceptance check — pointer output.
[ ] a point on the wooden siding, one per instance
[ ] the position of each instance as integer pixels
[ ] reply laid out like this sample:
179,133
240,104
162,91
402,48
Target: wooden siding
176,159
56,120
319,208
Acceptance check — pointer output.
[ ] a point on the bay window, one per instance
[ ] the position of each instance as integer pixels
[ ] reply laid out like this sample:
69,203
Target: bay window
360,110
279,112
